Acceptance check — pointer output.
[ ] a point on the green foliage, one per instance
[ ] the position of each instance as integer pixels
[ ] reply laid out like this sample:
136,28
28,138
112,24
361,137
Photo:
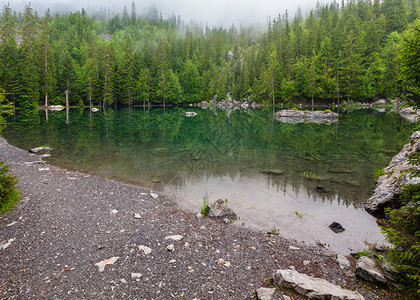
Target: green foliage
205,205
8,194
402,230
379,173
409,55
298,214
361,253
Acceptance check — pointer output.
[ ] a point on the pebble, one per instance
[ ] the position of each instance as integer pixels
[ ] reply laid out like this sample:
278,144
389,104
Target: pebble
293,248
114,211
174,237
135,275
137,216
11,224
123,280
170,248
101,265
7,244
153,195
145,249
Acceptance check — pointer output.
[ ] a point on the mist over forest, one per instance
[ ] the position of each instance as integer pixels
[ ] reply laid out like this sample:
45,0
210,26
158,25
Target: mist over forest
211,13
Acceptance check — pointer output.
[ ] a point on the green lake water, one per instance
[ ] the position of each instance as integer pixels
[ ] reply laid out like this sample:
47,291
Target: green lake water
223,153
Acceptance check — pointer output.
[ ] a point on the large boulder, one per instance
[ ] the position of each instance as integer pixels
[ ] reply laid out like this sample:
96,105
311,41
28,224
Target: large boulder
313,288
369,270
396,175
220,209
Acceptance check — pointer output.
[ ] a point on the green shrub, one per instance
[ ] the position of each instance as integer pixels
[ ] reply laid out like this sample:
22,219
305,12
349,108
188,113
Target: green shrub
7,187
205,206
402,230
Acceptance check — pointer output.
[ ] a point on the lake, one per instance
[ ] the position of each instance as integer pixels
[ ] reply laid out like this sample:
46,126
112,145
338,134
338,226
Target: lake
225,154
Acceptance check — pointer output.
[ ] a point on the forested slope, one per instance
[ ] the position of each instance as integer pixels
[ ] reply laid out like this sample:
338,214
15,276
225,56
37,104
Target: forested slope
344,50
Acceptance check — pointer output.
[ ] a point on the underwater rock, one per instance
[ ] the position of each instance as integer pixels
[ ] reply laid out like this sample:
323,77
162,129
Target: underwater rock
273,172
336,227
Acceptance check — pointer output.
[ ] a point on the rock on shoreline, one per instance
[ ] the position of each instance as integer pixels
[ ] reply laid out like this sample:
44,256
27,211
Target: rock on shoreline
396,176
298,116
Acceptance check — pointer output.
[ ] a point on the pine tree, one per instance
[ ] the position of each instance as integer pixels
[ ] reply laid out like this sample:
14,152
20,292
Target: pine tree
8,55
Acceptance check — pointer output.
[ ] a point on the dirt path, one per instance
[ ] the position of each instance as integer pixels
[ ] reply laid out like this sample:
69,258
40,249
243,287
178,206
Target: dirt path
67,222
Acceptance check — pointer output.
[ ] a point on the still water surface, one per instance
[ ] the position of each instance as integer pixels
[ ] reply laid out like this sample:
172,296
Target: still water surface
224,153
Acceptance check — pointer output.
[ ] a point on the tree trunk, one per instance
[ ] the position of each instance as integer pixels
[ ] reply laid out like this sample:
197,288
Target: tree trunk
67,97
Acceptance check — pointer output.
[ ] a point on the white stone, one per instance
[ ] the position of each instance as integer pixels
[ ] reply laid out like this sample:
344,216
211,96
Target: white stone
172,261
171,248
176,237
11,224
154,195
200,215
265,293
306,262
123,280
114,211
313,288
293,248
146,250
101,265
7,244
135,275
137,216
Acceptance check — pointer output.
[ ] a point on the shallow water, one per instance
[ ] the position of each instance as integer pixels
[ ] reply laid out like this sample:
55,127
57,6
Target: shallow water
224,153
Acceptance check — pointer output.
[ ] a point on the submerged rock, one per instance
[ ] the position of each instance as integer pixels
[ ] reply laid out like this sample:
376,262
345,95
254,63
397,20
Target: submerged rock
220,209
336,227
313,288
396,175
410,114
40,150
273,172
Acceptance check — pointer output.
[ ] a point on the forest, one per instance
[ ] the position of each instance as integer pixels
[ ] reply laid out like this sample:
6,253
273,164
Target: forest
347,51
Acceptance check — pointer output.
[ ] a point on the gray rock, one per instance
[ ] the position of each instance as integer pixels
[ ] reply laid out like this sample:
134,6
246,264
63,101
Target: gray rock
40,150
369,270
190,114
265,293
343,262
389,185
298,116
220,209
410,114
313,288
380,102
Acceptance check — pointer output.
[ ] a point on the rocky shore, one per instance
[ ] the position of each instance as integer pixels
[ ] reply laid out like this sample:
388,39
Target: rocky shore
77,236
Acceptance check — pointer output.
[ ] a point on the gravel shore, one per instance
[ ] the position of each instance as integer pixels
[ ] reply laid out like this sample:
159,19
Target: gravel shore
67,222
